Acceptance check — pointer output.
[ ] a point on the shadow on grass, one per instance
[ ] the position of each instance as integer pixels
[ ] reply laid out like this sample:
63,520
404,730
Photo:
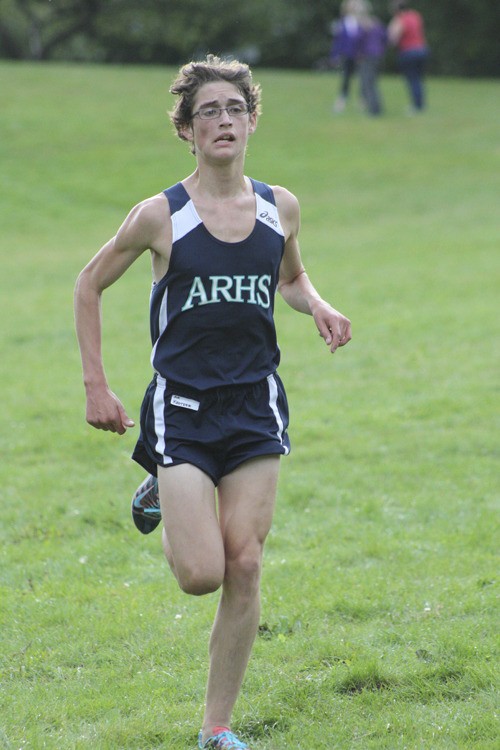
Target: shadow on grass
265,728
367,678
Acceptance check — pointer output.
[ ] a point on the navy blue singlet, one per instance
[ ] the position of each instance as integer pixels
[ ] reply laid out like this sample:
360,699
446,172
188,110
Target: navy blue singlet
212,314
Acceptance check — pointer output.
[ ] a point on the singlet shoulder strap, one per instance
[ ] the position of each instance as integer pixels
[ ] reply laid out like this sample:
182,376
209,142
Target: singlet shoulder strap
262,189
177,197
182,211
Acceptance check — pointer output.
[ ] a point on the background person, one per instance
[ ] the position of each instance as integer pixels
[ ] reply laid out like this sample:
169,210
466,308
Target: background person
372,46
344,51
406,32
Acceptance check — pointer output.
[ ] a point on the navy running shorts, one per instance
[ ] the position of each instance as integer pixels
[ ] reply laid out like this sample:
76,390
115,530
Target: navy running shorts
215,430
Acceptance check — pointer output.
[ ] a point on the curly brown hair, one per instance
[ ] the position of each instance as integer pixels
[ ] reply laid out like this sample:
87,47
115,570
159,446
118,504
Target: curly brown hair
194,75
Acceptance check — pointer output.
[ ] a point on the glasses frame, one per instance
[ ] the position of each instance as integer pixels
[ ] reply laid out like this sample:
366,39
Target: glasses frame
220,110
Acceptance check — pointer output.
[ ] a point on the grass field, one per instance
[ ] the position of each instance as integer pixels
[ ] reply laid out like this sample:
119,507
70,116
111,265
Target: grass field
380,590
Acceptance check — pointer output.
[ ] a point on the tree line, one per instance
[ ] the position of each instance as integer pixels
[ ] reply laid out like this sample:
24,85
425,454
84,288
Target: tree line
463,35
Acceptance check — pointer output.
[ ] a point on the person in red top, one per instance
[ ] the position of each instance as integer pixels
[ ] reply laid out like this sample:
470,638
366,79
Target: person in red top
406,32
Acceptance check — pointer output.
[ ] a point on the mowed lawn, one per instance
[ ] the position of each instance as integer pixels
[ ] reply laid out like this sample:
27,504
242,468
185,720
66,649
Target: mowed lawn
379,625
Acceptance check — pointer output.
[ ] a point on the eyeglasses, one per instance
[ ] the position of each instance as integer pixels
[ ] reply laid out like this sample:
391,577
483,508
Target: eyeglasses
211,113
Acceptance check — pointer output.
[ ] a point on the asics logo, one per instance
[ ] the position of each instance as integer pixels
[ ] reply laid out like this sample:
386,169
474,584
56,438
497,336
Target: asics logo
270,219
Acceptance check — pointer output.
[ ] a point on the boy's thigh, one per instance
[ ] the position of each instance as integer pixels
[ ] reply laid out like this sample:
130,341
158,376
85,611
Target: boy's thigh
247,498
187,499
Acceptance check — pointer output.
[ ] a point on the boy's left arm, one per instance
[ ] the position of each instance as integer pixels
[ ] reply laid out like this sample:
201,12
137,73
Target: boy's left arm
294,284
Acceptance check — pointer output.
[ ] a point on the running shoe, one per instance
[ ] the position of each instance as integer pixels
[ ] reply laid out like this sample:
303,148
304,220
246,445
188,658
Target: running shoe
146,511
222,739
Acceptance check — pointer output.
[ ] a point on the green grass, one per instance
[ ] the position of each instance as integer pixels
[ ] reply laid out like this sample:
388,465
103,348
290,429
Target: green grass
380,587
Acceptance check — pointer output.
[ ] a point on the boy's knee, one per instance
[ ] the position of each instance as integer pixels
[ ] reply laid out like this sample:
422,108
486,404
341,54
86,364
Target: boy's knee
244,570
197,582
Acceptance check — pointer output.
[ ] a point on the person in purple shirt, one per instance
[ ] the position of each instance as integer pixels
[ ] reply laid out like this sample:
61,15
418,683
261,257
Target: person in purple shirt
345,47
371,49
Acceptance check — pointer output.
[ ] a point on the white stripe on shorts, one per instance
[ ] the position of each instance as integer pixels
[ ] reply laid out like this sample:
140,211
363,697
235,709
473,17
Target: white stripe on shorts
273,403
158,408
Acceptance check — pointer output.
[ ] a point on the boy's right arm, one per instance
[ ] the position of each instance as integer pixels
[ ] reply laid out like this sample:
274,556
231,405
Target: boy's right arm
140,231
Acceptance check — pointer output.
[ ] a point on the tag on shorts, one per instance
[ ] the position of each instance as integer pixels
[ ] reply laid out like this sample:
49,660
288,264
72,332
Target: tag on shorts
185,403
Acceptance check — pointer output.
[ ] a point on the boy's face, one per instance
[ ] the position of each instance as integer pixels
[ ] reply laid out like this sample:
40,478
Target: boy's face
223,137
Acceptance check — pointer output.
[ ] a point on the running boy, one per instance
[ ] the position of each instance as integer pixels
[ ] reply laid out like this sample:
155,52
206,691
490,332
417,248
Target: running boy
214,418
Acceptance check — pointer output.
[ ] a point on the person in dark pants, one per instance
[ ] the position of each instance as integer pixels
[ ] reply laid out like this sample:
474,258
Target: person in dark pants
372,46
406,32
345,48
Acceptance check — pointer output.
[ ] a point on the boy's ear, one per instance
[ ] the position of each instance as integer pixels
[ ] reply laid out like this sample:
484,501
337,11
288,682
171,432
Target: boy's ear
252,127
187,133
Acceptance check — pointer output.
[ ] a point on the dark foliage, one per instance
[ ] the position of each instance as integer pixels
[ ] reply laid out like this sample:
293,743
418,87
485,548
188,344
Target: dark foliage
463,34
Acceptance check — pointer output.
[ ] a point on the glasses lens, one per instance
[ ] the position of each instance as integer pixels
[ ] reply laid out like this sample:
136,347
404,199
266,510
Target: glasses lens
209,113
237,109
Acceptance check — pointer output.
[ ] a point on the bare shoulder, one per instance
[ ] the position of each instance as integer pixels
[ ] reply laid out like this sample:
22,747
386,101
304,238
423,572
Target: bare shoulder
147,221
151,212
288,208
285,199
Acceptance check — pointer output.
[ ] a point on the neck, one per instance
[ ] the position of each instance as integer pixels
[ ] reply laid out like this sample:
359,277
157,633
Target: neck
221,182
